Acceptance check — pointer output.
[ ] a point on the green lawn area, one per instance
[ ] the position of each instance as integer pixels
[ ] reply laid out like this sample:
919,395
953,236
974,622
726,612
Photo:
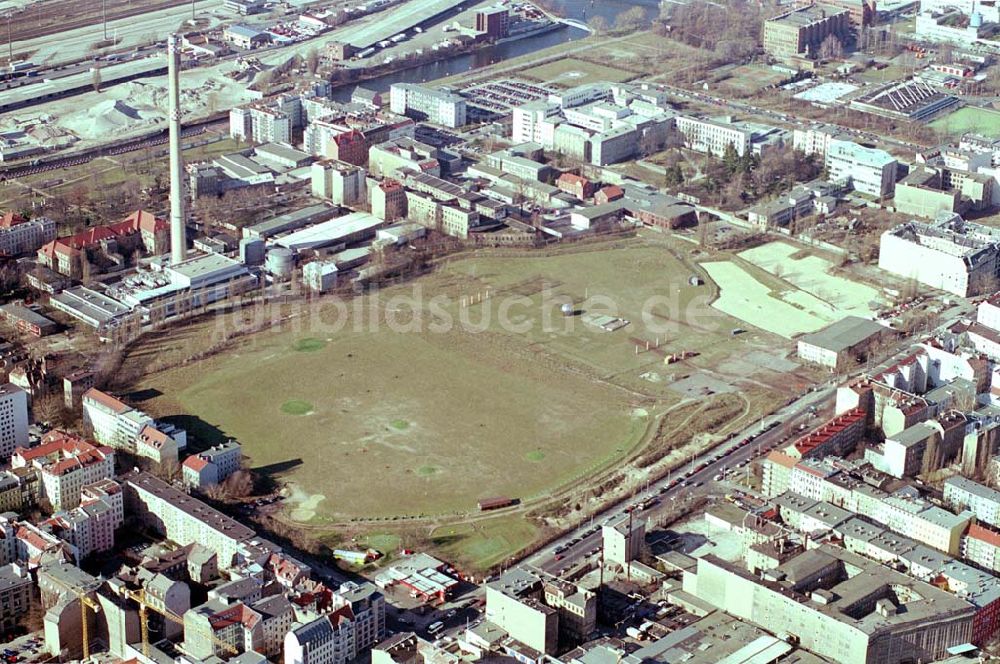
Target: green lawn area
484,543
568,72
969,119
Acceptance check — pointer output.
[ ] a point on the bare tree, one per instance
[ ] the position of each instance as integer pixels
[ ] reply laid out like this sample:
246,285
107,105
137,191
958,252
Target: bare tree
95,78
312,60
831,48
599,25
631,20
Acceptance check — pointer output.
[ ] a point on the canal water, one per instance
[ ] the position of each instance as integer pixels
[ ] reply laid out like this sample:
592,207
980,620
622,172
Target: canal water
581,10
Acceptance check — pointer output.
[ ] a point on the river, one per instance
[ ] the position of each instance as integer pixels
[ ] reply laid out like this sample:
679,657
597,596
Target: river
582,10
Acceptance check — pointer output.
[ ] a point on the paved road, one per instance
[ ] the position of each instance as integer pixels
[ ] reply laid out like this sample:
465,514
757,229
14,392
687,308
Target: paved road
729,454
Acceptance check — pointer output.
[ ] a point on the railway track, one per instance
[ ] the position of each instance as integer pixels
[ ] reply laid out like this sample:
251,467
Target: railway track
49,18
131,146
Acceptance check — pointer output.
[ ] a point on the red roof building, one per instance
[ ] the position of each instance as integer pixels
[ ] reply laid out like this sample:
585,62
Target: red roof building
577,185
140,229
608,194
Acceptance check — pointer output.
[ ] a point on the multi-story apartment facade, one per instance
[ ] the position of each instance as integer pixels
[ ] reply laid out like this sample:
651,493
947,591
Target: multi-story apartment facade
20,235
66,464
950,254
427,104
214,465
338,181
15,596
183,519
963,494
13,420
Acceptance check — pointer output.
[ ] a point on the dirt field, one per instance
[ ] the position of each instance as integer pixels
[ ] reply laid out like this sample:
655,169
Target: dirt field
488,390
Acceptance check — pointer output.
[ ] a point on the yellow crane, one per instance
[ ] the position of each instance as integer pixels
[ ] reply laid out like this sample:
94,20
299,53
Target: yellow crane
85,603
139,596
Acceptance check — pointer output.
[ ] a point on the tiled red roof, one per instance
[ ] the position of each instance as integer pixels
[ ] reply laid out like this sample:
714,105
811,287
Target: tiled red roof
11,219
613,192
62,452
106,400
195,463
152,437
238,614
136,222
984,534
814,439
781,459
572,178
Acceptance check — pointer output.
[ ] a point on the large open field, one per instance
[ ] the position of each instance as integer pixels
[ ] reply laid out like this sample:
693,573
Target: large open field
365,410
969,119
572,71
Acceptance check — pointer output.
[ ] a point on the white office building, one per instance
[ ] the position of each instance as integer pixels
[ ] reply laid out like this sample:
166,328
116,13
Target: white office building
13,420
428,104
338,181
19,235
868,170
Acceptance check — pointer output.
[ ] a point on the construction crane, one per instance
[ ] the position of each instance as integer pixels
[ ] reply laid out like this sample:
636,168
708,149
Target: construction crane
85,603
139,597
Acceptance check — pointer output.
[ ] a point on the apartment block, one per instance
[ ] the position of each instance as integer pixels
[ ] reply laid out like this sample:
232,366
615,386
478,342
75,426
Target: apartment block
118,425
356,624
623,539
427,104
963,494
13,420
66,464
339,182
212,466
23,235
948,254
183,519
388,200
15,596
840,606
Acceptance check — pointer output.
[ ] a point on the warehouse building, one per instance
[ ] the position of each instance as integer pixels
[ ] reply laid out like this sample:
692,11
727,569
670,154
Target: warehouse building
841,344
351,228
800,32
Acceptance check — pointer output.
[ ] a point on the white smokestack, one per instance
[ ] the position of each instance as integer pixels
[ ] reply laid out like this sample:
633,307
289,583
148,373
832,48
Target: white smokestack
178,217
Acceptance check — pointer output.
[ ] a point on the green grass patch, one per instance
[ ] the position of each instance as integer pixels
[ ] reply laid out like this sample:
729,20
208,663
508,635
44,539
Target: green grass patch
535,455
485,543
573,71
387,543
427,471
309,345
968,119
399,425
296,407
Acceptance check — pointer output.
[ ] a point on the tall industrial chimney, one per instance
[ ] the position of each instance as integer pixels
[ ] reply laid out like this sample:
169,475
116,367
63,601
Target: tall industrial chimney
178,217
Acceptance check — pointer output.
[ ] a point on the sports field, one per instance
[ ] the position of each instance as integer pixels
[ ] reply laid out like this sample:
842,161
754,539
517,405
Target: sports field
572,71
969,119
